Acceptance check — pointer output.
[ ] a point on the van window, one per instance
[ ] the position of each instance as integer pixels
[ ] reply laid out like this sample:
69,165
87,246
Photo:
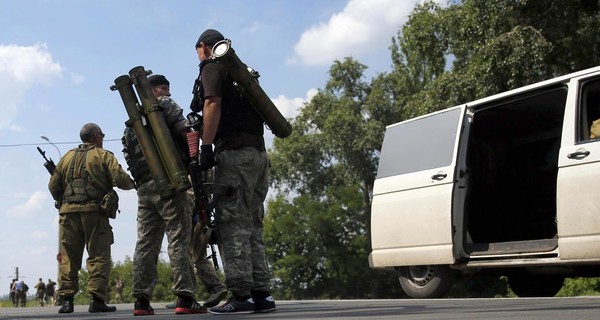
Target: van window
426,144
589,111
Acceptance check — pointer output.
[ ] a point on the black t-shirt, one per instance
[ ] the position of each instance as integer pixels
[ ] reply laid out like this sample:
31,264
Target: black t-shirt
237,114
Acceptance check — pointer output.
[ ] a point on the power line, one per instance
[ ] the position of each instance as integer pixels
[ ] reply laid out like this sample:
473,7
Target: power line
46,143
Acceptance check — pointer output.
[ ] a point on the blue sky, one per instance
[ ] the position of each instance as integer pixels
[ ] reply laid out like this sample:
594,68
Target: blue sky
58,59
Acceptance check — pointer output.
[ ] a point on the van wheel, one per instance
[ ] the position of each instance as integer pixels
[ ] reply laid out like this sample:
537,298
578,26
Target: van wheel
430,281
527,284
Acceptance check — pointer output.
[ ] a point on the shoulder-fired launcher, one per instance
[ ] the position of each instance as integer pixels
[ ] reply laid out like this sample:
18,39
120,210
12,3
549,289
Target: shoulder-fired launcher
225,55
152,132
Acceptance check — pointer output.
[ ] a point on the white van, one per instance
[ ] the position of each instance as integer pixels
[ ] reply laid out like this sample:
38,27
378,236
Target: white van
509,183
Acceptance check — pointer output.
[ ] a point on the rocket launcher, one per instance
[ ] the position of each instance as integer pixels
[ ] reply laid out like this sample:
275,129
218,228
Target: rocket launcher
225,55
157,145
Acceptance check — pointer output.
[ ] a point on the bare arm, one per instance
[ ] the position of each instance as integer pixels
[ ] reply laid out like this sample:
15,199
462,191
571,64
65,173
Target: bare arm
211,117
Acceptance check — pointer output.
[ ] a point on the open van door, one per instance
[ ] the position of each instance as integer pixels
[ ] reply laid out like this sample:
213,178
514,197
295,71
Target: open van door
411,218
578,205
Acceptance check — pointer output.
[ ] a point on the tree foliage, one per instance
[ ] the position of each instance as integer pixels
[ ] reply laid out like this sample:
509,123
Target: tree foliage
317,226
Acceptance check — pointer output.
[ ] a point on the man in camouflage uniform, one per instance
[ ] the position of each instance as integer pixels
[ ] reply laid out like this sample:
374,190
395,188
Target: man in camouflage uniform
81,179
157,216
241,163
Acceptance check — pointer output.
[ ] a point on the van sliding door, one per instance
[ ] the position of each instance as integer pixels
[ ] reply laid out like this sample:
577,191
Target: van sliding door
412,195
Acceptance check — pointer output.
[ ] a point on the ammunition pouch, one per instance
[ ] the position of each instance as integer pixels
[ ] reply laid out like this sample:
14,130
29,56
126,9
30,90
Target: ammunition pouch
109,204
240,140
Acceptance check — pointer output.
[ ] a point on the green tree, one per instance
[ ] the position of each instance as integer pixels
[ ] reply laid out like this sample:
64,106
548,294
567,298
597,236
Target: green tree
486,47
317,226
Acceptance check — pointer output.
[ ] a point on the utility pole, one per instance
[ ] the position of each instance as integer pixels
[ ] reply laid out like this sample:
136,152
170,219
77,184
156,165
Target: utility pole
16,273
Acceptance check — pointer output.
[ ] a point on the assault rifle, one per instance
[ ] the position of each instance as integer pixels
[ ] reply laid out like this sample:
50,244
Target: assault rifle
206,194
49,164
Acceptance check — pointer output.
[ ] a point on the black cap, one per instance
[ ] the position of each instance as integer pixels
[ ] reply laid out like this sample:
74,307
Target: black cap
209,37
157,80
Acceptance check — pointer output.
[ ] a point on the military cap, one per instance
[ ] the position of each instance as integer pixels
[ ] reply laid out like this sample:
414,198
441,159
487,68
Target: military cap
157,80
209,37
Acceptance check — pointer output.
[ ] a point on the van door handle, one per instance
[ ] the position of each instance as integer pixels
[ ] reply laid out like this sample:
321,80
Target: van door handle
577,155
439,176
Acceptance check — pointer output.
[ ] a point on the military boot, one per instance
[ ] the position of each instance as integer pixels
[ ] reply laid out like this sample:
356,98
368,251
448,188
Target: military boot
97,305
67,306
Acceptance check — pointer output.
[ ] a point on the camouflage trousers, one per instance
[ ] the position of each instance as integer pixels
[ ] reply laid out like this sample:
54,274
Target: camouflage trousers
156,217
78,231
240,218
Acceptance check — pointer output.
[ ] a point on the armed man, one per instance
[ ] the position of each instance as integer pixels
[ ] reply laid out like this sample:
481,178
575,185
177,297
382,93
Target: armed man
164,207
236,129
78,184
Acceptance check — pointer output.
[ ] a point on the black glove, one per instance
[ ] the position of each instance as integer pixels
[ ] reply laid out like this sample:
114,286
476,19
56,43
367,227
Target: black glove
207,157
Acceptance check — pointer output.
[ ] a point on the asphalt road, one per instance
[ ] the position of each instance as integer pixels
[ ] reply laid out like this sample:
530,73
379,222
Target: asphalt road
579,308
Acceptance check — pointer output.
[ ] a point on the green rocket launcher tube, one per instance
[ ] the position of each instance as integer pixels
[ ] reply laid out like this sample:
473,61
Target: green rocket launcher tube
225,55
144,134
164,142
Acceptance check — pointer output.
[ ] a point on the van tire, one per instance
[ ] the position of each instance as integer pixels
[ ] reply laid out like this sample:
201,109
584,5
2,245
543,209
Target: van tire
429,281
527,284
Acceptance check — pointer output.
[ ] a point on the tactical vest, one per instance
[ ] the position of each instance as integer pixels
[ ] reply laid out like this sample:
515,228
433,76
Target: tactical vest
79,189
132,151
237,114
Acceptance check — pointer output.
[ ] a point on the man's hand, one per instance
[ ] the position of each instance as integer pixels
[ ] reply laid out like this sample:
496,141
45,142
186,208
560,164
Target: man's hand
207,157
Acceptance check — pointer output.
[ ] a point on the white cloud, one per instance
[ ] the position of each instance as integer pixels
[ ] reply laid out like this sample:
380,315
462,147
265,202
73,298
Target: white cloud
36,202
77,78
363,26
22,67
253,28
39,234
290,108
39,250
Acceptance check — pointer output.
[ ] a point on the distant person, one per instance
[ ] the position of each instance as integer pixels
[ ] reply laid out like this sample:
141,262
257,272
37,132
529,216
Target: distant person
21,289
40,292
12,292
50,291
80,181
158,215
118,291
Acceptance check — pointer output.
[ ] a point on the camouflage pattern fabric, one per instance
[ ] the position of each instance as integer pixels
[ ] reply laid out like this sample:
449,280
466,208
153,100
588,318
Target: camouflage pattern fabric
155,218
240,218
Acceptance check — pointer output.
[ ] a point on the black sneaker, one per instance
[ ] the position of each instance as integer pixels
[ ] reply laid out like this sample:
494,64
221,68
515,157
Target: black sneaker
97,305
265,305
215,298
67,306
233,305
142,307
188,305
